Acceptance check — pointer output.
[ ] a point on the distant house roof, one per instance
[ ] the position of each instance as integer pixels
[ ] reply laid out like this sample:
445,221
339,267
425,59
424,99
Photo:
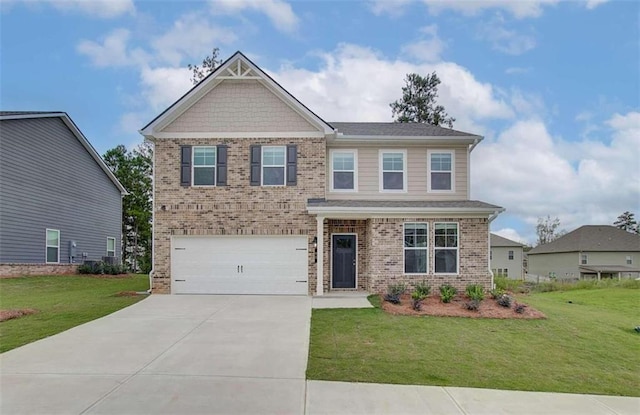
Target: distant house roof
497,240
592,238
411,129
17,115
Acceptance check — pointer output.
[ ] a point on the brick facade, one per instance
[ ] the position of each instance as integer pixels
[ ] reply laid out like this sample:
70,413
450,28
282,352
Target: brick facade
21,270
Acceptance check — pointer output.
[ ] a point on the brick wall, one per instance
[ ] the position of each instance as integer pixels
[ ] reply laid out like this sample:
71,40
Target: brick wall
235,209
18,270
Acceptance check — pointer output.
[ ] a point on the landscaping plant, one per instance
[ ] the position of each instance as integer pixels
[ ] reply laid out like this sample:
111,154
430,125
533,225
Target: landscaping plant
497,293
422,289
447,292
394,291
416,300
473,305
504,300
519,308
475,292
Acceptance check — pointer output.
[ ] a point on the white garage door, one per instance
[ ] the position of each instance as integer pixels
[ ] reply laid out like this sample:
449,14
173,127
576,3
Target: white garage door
239,265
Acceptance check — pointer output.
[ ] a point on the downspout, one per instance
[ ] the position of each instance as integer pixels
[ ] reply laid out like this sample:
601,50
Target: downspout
491,219
153,215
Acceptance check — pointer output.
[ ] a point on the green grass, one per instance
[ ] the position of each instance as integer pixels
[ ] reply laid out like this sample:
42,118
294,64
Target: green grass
586,346
62,302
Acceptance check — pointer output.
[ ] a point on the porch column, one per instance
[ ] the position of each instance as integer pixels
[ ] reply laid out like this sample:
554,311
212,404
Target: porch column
320,263
598,275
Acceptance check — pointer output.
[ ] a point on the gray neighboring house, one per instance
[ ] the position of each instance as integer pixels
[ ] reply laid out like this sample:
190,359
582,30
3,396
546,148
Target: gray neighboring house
59,202
591,251
506,257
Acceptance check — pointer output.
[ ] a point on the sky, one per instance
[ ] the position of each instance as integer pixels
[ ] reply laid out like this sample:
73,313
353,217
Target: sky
553,86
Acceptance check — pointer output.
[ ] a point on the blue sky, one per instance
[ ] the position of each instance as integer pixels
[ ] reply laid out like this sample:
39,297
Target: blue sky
554,86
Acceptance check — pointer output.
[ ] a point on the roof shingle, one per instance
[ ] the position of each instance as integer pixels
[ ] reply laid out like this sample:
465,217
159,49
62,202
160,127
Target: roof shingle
592,238
409,129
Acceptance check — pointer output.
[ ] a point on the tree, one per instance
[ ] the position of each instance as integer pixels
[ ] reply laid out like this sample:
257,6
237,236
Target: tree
418,103
547,230
209,63
627,222
133,169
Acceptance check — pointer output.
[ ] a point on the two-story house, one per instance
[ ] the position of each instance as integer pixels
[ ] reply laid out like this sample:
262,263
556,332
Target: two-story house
255,193
507,257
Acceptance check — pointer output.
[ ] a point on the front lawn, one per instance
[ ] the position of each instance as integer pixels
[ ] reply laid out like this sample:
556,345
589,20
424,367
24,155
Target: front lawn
61,302
586,345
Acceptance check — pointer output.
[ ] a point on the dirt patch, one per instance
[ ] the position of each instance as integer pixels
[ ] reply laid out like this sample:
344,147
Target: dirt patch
17,313
432,306
127,294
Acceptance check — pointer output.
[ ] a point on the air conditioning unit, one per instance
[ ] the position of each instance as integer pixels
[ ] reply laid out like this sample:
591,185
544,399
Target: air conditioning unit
111,260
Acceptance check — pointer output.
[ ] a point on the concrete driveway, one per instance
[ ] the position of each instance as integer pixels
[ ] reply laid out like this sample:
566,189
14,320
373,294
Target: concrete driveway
168,354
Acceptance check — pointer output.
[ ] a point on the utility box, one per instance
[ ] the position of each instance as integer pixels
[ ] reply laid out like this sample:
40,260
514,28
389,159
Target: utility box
72,250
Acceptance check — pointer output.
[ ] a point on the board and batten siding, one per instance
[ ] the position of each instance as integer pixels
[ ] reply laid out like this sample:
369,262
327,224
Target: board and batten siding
49,180
417,174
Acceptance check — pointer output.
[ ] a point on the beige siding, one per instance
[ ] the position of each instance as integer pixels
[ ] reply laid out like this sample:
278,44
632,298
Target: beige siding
368,175
239,106
500,260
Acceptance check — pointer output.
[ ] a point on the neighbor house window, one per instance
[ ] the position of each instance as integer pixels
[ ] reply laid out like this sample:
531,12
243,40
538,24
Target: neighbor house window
416,239
53,246
511,255
111,246
490,254
446,248
629,260
393,175
344,170
204,166
583,259
440,171
273,166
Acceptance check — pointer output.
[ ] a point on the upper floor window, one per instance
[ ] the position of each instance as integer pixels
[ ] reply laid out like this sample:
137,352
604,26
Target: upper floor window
111,246
511,255
273,165
204,166
446,248
583,259
344,170
53,246
416,243
393,170
440,171
629,260
490,254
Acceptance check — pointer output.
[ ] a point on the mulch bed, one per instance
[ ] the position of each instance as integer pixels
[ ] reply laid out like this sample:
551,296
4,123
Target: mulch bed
128,294
432,306
17,313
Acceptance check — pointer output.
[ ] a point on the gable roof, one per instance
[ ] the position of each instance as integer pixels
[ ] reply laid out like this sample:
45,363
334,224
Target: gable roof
246,69
497,240
592,238
402,129
18,115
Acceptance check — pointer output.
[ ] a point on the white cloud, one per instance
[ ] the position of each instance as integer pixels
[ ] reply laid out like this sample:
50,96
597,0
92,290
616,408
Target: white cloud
426,50
511,234
112,51
502,39
164,85
519,9
592,4
393,8
104,9
279,12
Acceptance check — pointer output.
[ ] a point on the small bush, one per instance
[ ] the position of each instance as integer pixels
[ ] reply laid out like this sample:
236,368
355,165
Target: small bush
422,290
473,305
475,292
497,293
397,289
447,292
508,284
392,298
504,301
519,308
100,268
416,304
637,329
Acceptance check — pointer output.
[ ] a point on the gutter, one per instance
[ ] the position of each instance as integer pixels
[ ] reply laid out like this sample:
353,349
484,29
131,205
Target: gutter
475,143
491,219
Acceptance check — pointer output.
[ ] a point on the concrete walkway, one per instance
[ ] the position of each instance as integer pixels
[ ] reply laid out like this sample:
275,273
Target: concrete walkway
229,355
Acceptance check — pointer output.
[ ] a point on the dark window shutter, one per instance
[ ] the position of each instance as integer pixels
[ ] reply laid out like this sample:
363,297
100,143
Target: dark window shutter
292,165
256,154
221,166
185,165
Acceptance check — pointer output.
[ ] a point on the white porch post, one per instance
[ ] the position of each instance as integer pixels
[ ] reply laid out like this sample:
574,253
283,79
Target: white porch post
320,253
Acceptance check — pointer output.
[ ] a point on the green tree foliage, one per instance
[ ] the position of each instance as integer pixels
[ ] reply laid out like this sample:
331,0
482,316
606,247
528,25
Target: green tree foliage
133,169
548,230
627,222
418,103
209,63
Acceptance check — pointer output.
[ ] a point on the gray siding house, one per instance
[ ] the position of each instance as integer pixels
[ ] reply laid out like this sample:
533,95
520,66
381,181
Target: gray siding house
506,257
59,202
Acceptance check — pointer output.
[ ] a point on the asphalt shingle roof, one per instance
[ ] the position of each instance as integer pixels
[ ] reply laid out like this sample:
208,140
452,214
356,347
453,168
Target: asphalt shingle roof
400,204
497,240
396,129
10,113
592,238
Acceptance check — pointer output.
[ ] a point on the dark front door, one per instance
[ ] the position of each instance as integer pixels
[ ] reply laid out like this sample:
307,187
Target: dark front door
344,261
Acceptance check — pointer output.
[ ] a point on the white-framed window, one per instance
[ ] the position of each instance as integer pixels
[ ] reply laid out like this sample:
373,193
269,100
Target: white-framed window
393,170
416,245
344,170
629,260
111,246
204,166
583,259
440,166
490,254
53,246
510,255
274,160
445,250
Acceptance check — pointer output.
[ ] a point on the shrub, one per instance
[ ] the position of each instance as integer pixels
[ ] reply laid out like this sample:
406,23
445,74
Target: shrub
508,284
497,293
504,301
422,290
519,308
416,303
99,267
473,305
397,288
637,329
475,292
447,292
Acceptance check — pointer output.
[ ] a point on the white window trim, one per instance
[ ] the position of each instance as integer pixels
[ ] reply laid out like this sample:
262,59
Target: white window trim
511,255
404,248
586,259
457,248
355,170
381,152
453,171
46,245
262,166
629,260
215,166
114,245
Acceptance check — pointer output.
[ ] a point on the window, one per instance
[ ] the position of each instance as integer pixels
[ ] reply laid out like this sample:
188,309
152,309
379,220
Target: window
510,255
111,246
393,170
446,248
490,254
441,171
273,166
344,170
629,260
415,248
204,166
583,259
53,246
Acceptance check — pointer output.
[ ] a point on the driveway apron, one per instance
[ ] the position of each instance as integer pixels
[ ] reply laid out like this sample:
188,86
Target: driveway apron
168,354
